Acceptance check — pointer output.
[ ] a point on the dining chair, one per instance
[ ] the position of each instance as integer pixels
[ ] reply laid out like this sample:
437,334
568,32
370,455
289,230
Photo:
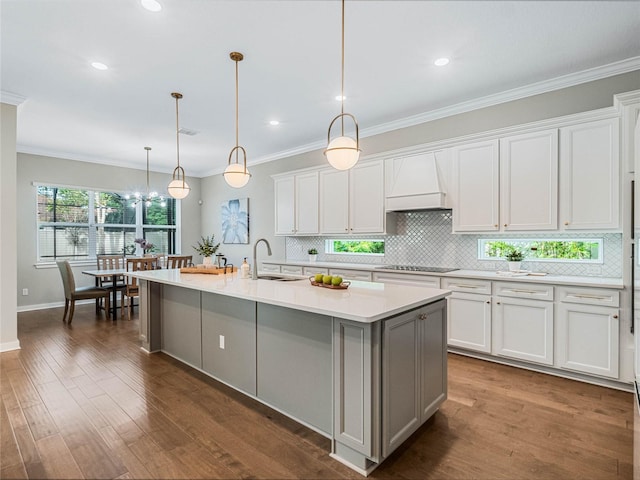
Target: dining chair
179,261
71,293
132,288
110,262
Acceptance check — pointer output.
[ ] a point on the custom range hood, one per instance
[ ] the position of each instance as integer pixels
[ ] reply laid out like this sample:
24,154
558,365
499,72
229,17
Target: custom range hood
416,182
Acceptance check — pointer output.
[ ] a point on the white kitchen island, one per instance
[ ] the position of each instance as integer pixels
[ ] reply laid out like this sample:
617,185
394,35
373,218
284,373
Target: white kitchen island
365,366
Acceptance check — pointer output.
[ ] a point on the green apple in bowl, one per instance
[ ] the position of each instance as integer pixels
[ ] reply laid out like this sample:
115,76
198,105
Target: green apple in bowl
336,281
318,278
327,279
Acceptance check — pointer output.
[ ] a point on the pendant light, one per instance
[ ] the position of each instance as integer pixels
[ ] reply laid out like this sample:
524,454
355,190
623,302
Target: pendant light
178,187
342,152
150,196
236,174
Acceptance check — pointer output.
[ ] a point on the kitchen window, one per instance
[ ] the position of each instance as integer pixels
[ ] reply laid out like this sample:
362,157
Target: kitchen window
78,224
355,247
573,250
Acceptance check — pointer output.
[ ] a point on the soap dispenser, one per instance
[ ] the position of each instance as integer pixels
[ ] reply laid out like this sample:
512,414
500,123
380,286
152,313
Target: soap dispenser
244,269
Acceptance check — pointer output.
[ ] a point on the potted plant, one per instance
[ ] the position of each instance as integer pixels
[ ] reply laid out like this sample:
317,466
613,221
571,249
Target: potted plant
206,247
514,257
313,254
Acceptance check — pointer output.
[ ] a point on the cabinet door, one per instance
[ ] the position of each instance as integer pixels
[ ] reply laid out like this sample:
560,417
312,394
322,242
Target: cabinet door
407,279
284,191
523,329
366,198
401,380
590,175
475,187
334,202
588,339
307,204
529,181
433,358
469,321
181,324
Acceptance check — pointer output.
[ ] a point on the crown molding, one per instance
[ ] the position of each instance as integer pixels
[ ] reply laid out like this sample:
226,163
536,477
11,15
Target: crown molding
11,98
565,81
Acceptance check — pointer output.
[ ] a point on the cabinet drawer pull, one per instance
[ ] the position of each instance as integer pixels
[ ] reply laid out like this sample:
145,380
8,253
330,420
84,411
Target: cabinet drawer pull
586,295
517,290
615,316
505,224
488,302
464,285
422,316
497,303
566,223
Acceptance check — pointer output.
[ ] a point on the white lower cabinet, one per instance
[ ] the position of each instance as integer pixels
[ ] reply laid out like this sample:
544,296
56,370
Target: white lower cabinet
315,270
523,329
291,269
407,279
469,314
588,331
351,274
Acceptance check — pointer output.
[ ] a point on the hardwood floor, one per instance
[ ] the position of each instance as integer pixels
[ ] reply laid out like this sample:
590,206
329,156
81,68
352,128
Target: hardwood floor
85,402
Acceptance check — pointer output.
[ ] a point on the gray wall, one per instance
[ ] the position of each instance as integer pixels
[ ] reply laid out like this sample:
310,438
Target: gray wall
44,284
580,98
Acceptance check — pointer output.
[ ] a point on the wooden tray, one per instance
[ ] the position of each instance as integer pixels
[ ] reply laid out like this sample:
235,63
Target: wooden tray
208,271
343,286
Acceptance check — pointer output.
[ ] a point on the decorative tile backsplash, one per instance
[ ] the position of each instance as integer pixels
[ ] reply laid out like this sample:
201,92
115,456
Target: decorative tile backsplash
425,238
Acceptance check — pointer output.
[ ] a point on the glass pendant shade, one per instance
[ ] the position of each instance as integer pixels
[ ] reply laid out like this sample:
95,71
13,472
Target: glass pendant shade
236,175
342,153
178,189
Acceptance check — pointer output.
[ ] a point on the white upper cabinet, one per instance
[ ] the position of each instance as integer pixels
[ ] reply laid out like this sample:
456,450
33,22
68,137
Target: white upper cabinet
352,201
529,181
296,204
417,181
474,187
590,175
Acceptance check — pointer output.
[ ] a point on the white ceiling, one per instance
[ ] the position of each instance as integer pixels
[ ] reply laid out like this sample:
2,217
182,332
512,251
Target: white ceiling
291,69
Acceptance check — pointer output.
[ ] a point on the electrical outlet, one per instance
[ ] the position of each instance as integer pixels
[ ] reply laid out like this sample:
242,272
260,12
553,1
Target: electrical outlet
222,342
25,291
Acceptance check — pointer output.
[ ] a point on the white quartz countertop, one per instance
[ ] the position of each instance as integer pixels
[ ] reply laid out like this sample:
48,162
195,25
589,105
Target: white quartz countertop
362,302
602,282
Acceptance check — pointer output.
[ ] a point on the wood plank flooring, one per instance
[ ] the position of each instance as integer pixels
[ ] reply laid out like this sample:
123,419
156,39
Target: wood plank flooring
85,402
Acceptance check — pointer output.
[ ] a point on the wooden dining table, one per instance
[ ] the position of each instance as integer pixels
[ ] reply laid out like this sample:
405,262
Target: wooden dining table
114,273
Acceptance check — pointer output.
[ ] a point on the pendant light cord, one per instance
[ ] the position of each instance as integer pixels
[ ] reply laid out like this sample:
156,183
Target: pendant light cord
342,80
177,134
147,149
237,112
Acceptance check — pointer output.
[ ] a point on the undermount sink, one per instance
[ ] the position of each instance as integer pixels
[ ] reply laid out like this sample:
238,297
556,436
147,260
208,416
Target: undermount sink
278,278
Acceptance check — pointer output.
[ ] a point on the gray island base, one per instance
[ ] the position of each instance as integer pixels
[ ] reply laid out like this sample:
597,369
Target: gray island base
365,367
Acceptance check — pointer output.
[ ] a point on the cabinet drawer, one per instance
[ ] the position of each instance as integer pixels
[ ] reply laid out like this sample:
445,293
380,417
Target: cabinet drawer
523,290
351,274
315,270
269,267
589,296
467,285
291,269
407,279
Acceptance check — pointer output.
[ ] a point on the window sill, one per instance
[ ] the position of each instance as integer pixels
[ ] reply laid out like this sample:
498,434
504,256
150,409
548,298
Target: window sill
75,263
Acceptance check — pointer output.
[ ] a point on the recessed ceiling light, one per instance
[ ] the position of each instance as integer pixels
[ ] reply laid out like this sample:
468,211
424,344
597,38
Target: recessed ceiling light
151,5
441,62
274,122
341,97
99,66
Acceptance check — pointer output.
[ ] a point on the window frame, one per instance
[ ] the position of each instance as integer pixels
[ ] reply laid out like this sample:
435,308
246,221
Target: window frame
329,246
599,261
92,225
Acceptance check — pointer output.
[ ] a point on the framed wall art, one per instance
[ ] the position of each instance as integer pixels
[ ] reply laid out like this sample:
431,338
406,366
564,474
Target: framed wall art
235,221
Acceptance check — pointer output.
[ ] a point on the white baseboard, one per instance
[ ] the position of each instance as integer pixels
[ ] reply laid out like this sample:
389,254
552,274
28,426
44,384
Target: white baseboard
45,306
8,346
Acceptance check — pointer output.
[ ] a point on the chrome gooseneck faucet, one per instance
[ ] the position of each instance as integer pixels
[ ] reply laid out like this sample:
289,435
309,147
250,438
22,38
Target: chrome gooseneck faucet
255,260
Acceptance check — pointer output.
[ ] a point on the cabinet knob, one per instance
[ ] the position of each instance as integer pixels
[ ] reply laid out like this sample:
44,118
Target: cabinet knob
566,223
497,303
496,225
488,302
346,229
615,316
422,316
505,224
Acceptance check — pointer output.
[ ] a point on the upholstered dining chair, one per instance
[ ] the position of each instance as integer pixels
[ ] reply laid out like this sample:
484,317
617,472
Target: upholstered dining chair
132,288
179,261
71,293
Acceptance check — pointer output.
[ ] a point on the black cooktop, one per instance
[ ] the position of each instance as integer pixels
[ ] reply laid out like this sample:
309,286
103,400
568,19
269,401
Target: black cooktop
415,268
